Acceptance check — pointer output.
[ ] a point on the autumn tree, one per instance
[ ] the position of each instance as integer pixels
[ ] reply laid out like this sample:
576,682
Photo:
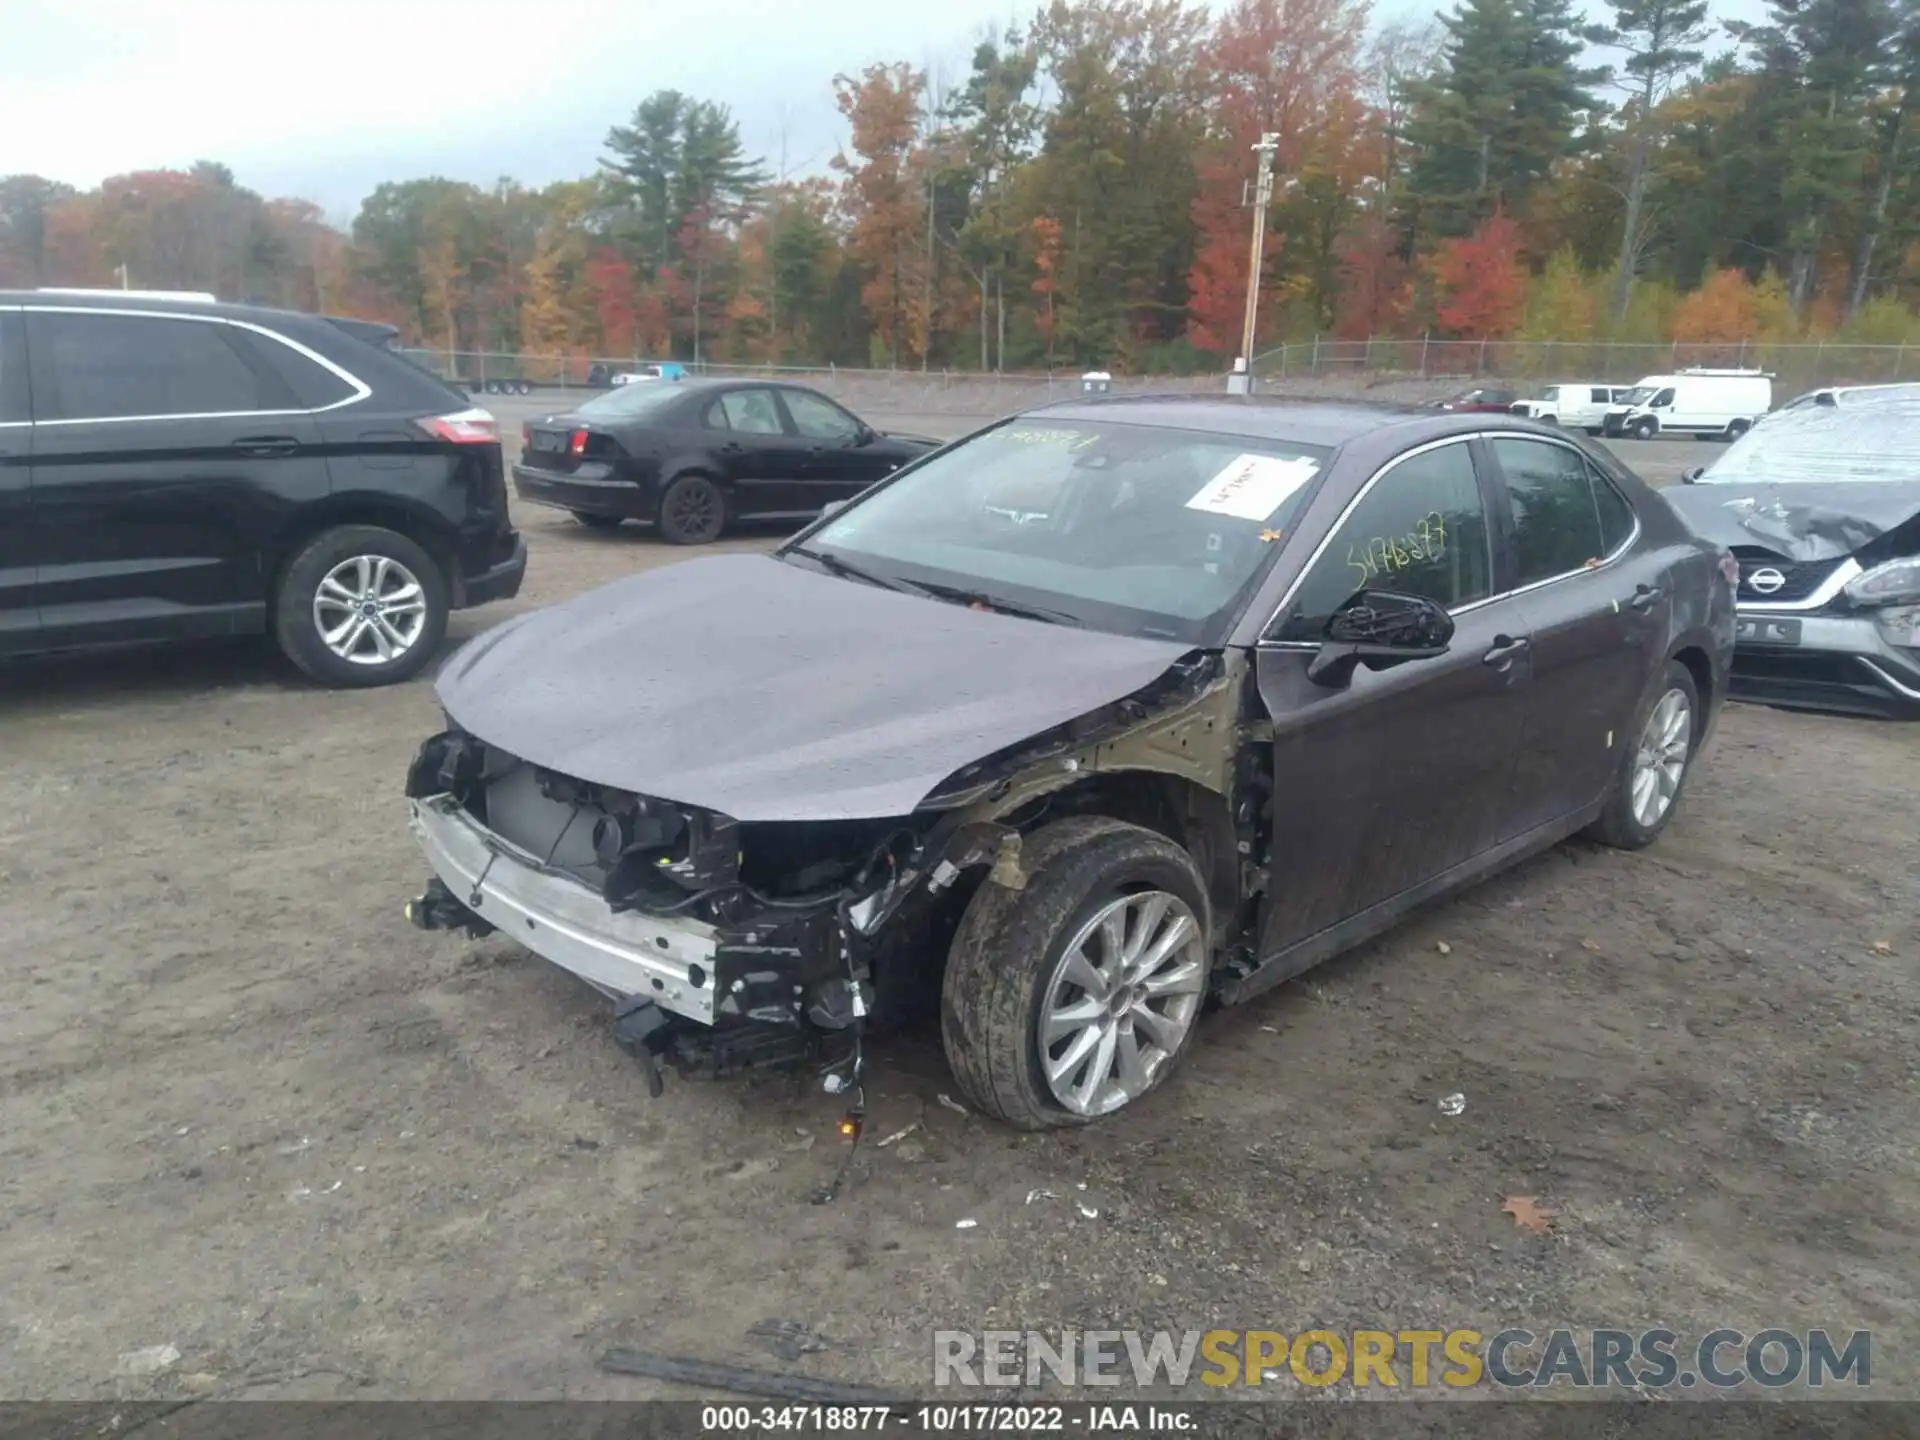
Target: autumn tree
1480,285
1289,68
882,198
997,120
1116,170
1560,303
25,201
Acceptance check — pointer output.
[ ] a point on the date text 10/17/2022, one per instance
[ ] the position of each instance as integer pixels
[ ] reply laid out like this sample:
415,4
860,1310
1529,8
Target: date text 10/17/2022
955,1419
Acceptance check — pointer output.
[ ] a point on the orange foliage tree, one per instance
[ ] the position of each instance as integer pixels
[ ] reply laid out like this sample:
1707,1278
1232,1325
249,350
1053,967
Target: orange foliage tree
882,198
1479,283
1722,309
1288,67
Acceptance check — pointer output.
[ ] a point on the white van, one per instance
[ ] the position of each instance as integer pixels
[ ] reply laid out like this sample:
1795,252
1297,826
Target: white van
1722,404
1576,404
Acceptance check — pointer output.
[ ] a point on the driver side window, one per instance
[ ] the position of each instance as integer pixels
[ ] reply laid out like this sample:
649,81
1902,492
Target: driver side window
1421,530
818,419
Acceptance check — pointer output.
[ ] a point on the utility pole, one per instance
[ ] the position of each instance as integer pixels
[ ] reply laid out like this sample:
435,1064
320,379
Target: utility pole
1262,197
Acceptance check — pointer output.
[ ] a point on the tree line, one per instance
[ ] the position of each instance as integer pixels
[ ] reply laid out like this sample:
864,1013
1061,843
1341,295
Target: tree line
1079,196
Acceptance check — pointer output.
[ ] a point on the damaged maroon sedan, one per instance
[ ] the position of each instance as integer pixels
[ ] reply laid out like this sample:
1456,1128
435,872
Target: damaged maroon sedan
1110,712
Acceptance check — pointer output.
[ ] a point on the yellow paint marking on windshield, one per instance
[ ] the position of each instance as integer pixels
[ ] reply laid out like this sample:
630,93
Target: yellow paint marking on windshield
1070,439
1391,554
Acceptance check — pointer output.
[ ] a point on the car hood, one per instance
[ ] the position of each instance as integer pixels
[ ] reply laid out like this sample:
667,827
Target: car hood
924,441
1818,520
765,691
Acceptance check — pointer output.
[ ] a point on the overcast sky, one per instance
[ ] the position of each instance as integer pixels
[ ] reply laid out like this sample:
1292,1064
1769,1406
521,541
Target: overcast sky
323,99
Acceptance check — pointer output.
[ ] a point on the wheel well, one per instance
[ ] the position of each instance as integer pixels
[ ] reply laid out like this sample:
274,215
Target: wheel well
1695,659
1193,817
394,517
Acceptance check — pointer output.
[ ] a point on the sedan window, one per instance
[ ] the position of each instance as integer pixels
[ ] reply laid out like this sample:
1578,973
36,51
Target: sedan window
752,412
631,402
1420,530
1556,523
818,419
1128,528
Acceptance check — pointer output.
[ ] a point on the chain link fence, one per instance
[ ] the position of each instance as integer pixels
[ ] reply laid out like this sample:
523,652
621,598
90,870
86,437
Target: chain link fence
1420,369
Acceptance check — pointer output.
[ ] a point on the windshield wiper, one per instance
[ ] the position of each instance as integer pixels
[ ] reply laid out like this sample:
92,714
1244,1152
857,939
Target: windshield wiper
990,602
834,565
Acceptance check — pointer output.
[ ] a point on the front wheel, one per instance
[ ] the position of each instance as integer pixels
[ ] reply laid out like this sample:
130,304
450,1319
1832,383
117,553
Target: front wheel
1737,429
1654,764
693,511
1645,428
1071,998
359,606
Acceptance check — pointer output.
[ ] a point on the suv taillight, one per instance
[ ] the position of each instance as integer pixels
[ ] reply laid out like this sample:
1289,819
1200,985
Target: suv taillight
463,427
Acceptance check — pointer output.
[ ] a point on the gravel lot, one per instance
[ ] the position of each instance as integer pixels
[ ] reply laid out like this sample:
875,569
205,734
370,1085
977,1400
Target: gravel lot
247,1112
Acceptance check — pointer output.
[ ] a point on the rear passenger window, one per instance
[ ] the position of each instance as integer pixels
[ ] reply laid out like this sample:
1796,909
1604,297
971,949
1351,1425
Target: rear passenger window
752,412
13,371
1616,515
312,385
1601,397
1556,525
124,366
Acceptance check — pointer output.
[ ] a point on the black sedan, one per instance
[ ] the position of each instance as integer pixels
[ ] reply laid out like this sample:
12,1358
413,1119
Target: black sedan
693,456
1102,712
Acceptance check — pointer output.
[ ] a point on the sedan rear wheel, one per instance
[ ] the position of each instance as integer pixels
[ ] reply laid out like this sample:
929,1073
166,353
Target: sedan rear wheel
1654,764
1073,997
693,511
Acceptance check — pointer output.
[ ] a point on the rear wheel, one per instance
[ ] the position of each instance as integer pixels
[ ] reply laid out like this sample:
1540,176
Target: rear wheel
597,522
1737,429
1654,764
1071,998
361,606
693,511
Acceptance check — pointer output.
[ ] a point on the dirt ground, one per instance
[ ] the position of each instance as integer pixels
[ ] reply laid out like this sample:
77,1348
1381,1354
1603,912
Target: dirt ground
247,1112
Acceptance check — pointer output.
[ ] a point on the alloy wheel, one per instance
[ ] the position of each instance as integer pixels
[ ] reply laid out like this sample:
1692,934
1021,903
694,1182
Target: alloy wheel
1661,759
370,610
1120,1001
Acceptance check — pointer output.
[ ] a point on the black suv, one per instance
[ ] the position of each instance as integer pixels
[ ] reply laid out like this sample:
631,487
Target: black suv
174,468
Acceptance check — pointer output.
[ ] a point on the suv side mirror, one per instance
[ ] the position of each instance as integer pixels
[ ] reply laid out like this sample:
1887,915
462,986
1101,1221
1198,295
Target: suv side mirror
1379,629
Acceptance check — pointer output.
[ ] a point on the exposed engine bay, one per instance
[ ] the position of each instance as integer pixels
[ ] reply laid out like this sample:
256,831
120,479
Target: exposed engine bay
728,946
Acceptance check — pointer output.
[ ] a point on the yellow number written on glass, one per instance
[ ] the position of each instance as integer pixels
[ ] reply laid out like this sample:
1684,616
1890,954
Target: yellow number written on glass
1391,554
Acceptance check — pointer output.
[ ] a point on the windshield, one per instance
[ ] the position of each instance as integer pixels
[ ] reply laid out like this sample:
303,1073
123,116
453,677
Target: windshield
1127,528
1820,443
629,402
1638,395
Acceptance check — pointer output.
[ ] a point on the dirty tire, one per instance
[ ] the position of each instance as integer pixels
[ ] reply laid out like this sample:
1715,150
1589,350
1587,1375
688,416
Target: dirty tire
297,634
693,511
1009,941
597,522
1617,825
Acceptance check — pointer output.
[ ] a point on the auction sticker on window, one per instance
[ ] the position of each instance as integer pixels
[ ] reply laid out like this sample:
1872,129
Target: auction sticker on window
1253,486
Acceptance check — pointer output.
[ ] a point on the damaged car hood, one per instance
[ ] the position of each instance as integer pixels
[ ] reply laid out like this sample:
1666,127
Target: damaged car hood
746,685
1817,520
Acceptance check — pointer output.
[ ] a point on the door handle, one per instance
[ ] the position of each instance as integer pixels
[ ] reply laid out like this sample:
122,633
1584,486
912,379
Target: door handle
266,446
1644,596
1503,651
732,447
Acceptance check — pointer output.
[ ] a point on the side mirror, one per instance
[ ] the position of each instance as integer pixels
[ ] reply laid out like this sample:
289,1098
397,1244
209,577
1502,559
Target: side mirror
865,435
1692,474
1379,629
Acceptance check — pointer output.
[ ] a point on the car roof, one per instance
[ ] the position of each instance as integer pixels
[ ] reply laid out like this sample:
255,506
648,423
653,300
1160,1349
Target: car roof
1309,421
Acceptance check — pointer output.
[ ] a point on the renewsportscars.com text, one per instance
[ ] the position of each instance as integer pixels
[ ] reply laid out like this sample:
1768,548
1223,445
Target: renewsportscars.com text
1654,1359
